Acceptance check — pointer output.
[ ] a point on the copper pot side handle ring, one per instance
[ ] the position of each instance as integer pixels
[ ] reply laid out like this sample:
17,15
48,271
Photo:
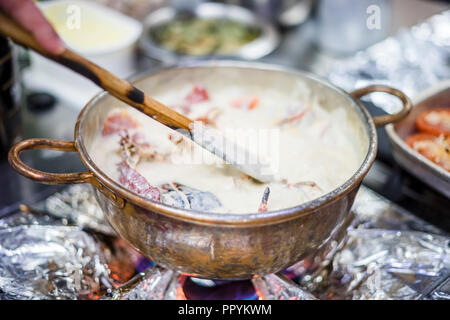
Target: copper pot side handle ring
45,177
388,118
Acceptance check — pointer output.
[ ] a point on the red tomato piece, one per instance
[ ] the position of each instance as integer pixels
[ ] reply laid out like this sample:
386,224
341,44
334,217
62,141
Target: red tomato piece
118,122
434,121
436,149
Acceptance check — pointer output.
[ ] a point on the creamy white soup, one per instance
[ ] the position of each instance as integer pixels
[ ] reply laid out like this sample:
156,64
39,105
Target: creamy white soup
311,149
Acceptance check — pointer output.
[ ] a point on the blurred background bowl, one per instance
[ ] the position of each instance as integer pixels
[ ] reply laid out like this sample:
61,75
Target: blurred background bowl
101,34
266,41
285,13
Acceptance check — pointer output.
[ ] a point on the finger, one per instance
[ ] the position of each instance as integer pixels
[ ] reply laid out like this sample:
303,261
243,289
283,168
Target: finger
49,39
32,19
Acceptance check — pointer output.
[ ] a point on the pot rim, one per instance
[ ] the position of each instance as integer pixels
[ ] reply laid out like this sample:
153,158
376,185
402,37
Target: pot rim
233,219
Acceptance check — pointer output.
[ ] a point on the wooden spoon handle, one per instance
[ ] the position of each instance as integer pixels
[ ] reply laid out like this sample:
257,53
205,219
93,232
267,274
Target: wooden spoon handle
117,87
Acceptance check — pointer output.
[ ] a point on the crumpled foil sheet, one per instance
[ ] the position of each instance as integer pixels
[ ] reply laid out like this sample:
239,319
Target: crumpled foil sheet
382,252
66,254
278,287
383,264
412,61
405,270
155,283
48,262
77,206
386,253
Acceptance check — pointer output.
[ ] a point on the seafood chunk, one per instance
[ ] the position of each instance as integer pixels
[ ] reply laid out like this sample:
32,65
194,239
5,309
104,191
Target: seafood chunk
245,103
135,149
209,118
118,122
197,95
293,119
134,181
264,200
185,197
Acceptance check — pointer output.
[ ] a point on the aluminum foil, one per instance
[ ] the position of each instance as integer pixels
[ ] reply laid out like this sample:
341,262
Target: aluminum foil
386,253
154,284
383,264
48,262
395,265
375,212
412,60
278,287
382,252
49,256
77,206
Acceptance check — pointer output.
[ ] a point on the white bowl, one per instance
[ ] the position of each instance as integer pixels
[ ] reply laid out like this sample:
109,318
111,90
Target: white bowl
103,35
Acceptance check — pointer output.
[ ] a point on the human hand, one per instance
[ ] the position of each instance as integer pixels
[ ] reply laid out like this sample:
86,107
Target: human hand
27,14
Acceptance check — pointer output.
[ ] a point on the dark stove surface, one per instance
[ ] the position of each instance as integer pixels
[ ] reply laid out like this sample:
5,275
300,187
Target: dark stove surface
16,190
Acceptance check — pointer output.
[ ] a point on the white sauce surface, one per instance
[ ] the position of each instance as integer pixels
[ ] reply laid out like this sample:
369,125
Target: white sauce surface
317,148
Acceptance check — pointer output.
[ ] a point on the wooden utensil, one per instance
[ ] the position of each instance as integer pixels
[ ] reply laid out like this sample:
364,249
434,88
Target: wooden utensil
126,92
117,87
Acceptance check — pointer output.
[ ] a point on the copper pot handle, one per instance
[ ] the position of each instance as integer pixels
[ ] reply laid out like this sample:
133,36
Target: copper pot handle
388,118
46,177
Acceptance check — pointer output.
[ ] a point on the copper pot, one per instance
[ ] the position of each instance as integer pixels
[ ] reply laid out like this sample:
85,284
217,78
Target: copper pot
219,246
